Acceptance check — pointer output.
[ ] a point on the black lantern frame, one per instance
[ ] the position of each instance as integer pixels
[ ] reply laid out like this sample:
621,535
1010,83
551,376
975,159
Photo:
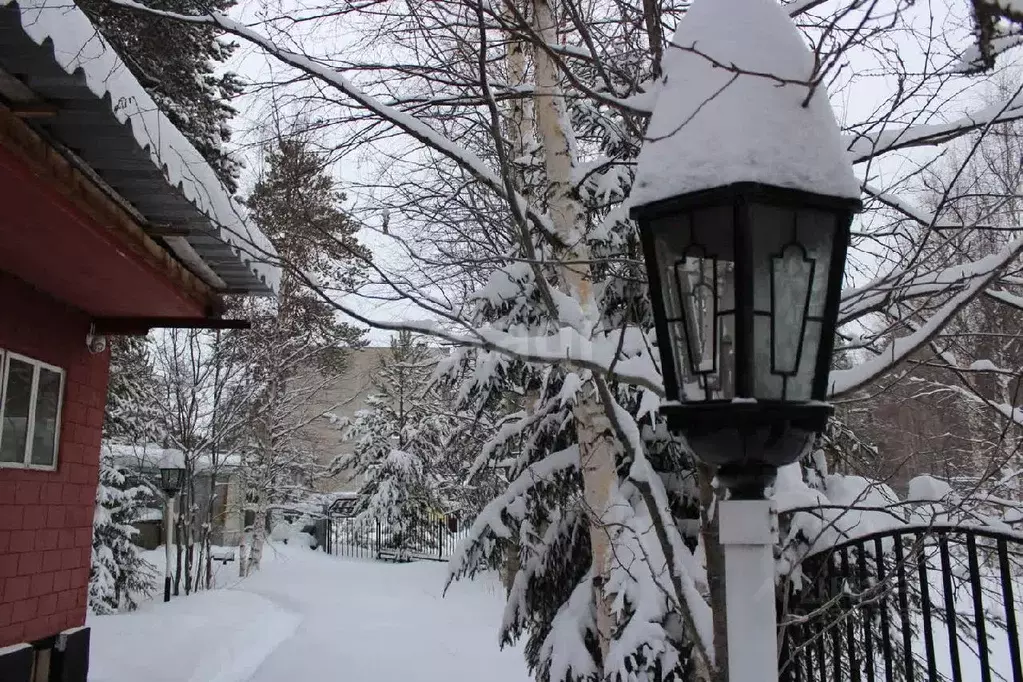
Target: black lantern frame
172,479
727,424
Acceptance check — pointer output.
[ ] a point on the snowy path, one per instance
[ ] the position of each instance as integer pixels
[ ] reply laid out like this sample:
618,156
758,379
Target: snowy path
307,616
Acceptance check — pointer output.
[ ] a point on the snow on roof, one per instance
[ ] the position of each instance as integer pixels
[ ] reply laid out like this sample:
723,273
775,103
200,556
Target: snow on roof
149,514
78,47
728,111
150,456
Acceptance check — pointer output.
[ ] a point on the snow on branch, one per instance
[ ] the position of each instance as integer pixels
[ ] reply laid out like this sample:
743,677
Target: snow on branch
977,276
620,353
864,147
922,217
973,60
490,521
410,125
798,7
902,286
516,424
1005,297
845,507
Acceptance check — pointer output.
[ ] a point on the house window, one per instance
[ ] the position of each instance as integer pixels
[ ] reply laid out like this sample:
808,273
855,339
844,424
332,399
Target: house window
30,400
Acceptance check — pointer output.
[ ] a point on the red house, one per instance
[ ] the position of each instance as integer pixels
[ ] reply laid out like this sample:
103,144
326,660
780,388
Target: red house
110,223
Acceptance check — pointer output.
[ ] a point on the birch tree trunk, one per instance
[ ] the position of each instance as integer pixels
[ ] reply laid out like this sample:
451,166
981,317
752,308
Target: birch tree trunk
715,558
243,554
597,443
521,133
258,534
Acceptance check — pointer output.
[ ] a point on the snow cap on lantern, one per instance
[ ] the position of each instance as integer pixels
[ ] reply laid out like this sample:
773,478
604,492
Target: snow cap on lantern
715,125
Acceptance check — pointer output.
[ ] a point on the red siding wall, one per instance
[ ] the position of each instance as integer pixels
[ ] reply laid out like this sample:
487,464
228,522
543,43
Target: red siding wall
46,516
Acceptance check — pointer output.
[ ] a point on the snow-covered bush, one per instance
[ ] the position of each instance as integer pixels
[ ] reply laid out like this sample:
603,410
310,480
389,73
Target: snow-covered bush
292,533
120,576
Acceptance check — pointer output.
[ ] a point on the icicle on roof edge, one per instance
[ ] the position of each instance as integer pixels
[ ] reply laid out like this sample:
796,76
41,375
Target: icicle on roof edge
714,125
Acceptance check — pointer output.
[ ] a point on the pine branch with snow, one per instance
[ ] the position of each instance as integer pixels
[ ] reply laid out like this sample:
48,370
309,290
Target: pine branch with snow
120,577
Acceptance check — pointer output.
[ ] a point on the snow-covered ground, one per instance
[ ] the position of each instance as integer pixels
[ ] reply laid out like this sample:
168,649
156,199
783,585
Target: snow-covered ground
309,616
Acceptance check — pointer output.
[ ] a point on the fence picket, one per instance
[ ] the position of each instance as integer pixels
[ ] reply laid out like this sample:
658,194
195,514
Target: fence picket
352,537
843,627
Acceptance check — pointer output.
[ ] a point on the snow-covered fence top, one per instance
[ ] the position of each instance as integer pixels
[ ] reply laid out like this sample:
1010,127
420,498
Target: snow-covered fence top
840,509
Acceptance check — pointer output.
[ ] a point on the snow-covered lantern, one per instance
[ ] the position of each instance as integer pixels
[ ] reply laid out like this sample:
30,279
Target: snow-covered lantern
744,197
172,477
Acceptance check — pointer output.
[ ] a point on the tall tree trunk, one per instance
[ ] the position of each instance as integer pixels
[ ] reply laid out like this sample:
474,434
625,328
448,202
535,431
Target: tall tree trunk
714,554
189,526
243,554
258,537
597,443
654,34
177,542
521,134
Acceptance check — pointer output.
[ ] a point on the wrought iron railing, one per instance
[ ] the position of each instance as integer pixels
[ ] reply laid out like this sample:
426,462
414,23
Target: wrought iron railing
936,603
368,538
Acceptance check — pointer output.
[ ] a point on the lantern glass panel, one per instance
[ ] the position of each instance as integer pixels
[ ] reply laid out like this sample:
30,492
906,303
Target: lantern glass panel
696,259
791,258
171,479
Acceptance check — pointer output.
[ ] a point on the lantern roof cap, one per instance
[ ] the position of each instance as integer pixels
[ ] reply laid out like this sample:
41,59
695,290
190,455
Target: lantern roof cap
730,109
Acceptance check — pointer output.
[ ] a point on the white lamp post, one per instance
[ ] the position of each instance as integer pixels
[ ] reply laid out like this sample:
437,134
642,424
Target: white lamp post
171,480
744,196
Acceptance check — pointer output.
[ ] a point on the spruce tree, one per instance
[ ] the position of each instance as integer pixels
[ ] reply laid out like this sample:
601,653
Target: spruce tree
180,66
402,441
120,576
131,414
297,345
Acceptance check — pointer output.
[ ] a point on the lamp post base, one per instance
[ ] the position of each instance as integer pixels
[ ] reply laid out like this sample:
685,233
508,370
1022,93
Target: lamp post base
752,627
168,522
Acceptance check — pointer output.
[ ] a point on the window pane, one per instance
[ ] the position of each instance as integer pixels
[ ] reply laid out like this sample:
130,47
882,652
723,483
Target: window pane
16,408
44,438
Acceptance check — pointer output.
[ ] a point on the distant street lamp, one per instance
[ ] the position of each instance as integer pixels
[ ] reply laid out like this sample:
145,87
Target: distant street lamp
744,197
171,480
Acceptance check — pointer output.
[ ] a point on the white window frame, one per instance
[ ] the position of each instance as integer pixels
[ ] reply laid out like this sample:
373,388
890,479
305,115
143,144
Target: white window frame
26,463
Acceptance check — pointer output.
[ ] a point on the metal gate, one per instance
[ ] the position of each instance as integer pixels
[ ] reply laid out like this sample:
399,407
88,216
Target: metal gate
936,603
367,538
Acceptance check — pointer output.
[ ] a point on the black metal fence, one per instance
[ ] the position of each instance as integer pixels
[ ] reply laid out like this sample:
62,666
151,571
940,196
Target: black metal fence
935,604
368,538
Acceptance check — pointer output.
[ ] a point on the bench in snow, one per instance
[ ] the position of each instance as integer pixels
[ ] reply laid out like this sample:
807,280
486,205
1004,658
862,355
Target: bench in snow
222,555
393,555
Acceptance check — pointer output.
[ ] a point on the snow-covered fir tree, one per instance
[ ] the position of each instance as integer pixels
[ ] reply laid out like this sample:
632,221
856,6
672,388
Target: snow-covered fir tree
120,575
131,415
539,524
583,616
181,66
402,444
